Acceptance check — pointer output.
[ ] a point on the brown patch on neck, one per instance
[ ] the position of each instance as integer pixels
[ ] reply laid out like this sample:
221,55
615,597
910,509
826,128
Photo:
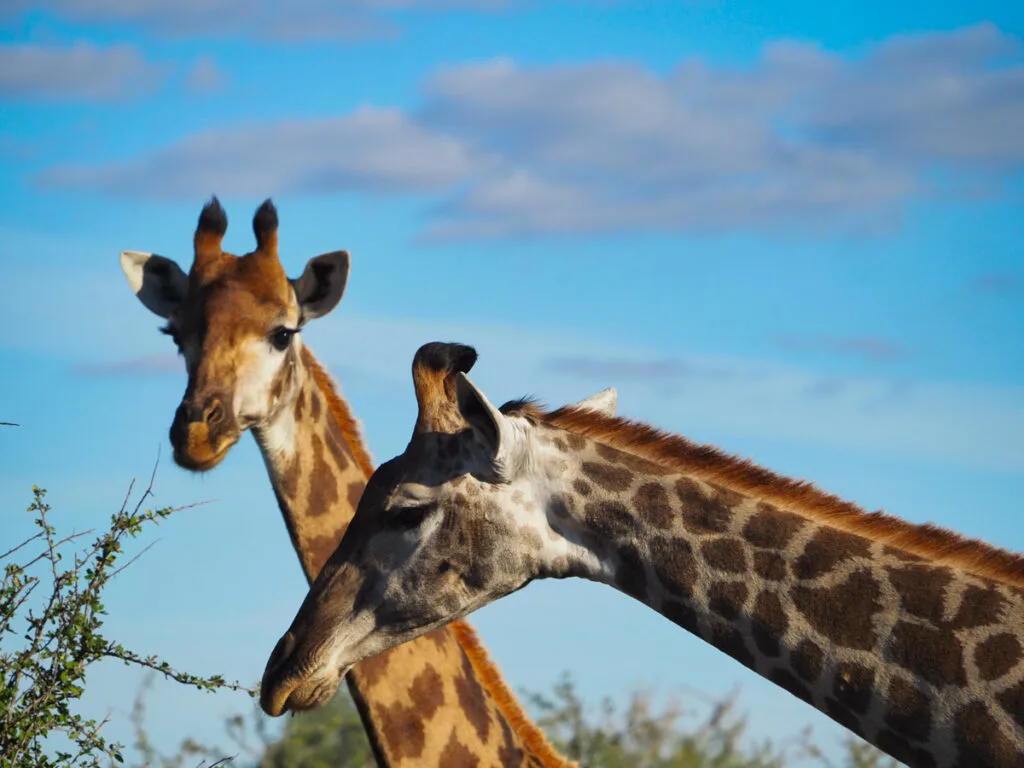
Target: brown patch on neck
938,545
489,676
341,412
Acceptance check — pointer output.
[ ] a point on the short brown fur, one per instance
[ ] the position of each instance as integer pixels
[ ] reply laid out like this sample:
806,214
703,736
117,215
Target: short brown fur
709,463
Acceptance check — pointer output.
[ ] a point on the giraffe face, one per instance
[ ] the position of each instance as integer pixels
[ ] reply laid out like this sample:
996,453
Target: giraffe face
235,322
456,522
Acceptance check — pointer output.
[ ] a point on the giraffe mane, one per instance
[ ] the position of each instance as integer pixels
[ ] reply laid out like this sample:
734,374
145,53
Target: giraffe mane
490,676
708,463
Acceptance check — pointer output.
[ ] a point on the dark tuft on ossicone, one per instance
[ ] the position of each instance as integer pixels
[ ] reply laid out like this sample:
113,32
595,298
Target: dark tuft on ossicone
213,219
445,357
264,223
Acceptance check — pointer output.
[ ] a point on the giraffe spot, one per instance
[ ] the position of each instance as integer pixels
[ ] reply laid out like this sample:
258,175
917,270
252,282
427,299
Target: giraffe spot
828,549
979,739
339,448
674,565
901,554
472,699
276,390
576,442
427,692
300,405
997,655
726,598
728,639
642,466
355,493
323,485
770,566
901,749
607,453
561,445
726,496
402,728
770,623
609,519
725,555
701,515
908,711
457,755
979,607
509,754
314,405
934,654
609,477
582,487
806,660
784,678
373,669
1012,700
651,501
631,576
853,686
288,479
442,638
843,715
772,528
681,615
841,612
921,589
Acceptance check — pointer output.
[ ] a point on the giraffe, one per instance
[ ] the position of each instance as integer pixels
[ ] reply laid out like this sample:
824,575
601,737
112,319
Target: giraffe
907,635
236,321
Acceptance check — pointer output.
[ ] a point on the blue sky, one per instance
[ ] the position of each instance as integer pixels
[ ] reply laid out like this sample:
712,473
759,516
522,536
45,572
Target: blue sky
792,229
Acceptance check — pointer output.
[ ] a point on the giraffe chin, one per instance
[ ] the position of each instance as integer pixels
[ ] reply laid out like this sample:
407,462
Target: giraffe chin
201,458
300,695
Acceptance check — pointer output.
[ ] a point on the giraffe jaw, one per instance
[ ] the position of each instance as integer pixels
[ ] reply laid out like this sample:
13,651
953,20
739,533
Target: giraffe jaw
205,460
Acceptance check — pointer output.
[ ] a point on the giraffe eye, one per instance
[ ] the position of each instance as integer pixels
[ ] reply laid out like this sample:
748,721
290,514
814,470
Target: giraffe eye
412,517
281,337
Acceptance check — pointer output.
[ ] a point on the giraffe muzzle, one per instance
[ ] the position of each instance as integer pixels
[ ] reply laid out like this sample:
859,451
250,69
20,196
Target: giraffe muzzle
202,433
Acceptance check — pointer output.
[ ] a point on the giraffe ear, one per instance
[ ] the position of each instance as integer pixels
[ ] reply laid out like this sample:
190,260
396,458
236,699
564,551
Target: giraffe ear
486,421
604,402
322,284
158,282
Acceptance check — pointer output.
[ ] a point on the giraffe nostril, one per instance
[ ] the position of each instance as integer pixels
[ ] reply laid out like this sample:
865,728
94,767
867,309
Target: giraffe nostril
214,413
282,650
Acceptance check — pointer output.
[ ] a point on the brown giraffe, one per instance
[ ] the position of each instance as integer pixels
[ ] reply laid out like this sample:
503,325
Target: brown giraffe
437,701
908,635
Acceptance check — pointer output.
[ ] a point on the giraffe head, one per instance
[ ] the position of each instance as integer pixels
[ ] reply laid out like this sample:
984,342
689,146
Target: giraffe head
235,320
457,521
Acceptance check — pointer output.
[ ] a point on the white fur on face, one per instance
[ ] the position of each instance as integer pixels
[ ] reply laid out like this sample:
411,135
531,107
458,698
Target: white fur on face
259,366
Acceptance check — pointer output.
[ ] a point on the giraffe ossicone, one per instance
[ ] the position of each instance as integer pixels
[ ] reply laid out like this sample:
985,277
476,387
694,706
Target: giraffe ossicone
909,636
436,701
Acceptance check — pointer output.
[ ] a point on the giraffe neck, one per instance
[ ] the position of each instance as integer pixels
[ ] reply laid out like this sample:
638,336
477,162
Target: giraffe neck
924,660
317,464
437,701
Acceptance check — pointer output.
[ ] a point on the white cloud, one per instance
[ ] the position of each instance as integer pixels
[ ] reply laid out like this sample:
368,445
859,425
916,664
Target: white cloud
803,139
378,150
80,71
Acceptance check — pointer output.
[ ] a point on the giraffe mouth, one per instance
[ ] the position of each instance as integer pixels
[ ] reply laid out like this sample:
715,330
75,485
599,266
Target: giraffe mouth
298,695
202,457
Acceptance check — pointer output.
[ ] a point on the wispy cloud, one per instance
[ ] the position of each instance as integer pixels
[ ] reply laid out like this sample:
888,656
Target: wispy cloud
865,347
504,150
292,22
376,150
80,71
147,365
205,76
